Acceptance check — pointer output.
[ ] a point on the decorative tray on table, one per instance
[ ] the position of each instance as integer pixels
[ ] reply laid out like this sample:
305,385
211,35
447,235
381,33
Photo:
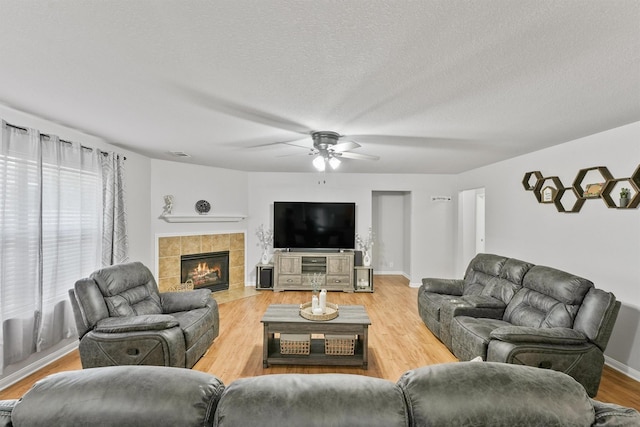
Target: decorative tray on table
331,312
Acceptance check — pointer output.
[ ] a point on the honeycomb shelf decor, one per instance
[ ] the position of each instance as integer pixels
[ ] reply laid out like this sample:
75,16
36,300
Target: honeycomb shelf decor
599,184
564,199
602,185
548,189
526,181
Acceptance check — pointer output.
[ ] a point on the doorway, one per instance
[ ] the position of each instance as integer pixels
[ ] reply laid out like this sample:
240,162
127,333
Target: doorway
471,225
391,222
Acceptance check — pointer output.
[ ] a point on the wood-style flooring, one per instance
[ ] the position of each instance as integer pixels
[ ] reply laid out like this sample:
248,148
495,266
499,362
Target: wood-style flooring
398,341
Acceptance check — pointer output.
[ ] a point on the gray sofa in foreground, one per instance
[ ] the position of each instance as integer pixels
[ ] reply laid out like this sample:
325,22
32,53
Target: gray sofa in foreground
453,394
511,311
122,319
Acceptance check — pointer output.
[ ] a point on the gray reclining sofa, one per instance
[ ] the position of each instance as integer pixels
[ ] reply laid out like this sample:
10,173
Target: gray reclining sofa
452,394
507,310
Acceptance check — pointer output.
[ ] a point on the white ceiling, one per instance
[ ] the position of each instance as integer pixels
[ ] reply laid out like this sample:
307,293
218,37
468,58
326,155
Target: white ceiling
429,86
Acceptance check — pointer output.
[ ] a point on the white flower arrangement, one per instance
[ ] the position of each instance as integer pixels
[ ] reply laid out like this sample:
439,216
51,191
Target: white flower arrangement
366,243
265,237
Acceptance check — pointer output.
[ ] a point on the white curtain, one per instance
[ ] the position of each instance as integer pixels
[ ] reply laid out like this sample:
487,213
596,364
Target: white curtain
115,243
51,222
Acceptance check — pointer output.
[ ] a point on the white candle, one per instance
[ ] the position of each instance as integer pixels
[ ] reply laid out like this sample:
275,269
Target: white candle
314,303
317,310
323,300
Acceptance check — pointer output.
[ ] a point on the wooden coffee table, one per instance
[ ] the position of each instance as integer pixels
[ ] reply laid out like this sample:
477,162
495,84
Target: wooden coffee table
286,319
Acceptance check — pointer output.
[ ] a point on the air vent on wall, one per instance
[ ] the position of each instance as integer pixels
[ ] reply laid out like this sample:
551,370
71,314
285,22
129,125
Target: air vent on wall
179,154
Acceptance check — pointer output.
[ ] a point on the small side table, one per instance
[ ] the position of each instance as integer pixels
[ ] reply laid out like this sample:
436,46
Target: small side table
264,276
363,279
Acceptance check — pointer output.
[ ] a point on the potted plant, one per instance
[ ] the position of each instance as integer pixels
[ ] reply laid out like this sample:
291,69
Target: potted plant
624,197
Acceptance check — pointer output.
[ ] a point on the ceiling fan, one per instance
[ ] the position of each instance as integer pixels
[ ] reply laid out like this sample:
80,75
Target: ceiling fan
326,148
328,151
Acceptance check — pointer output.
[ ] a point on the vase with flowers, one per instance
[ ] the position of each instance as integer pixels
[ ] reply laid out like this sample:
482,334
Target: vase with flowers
365,244
265,240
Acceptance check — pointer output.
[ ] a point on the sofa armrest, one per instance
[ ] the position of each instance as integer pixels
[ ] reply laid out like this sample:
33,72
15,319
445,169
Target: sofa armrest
443,286
521,334
173,302
6,408
148,322
610,414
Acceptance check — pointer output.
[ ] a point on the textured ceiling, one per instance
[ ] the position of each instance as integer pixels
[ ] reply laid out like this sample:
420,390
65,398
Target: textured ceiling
428,86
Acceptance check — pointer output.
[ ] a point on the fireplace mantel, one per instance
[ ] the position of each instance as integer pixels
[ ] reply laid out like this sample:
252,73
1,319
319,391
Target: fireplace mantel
203,218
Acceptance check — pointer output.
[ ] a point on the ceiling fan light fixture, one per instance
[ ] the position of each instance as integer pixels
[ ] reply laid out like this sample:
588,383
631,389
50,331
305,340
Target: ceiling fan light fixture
318,163
334,162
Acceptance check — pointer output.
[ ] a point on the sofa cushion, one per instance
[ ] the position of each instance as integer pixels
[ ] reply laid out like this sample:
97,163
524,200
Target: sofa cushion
560,285
128,289
508,282
121,396
494,394
312,400
481,270
531,308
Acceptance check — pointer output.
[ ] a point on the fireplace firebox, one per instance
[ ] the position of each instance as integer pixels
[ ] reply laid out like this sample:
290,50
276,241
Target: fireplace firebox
206,270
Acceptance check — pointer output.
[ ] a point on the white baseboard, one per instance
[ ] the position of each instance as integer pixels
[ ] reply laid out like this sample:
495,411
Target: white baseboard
37,365
627,370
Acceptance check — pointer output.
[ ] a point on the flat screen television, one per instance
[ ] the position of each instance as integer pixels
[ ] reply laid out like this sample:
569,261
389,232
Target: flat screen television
314,225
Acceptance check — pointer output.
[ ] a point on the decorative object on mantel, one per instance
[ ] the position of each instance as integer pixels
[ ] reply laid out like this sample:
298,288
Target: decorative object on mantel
624,197
576,194
203,207
365,245
168,205
265,240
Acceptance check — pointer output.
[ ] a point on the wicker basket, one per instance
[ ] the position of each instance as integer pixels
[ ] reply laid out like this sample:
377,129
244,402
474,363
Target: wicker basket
339,345
295,343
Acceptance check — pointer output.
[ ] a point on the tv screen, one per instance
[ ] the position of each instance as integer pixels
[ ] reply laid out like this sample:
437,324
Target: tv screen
314,225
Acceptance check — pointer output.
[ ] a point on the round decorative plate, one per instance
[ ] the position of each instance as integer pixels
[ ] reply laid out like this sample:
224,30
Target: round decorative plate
203,207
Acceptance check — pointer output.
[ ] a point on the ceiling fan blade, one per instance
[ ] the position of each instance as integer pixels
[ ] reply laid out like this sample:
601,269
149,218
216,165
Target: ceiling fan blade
358,156
311,152
299,143
345,146
242,111
294,142
415,141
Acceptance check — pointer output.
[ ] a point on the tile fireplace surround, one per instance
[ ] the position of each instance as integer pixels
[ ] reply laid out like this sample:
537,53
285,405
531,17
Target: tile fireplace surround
170,248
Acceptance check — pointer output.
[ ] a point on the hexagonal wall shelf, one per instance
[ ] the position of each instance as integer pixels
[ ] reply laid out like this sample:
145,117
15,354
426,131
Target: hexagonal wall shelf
609,187
555,184
577,183
526,181
563,199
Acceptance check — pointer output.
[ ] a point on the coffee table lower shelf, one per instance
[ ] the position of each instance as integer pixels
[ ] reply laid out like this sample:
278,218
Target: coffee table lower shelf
316,356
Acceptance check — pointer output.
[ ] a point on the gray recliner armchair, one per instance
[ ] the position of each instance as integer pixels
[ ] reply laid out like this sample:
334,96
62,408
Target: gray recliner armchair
122,319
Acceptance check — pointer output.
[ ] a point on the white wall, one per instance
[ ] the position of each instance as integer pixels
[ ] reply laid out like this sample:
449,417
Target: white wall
432,224
225,189
137,176
597,243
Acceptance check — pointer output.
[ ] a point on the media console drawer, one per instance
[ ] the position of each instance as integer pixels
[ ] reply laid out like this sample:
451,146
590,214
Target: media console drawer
289,280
